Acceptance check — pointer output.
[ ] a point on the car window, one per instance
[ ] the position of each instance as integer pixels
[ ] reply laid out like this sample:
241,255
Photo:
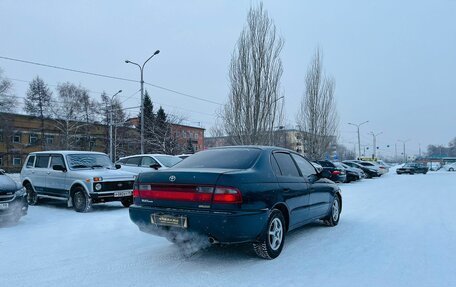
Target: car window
168,160
286,164
325,163
42,161
275,166
305,167
57,160
147,161
122,161
133,161
30,161
231,158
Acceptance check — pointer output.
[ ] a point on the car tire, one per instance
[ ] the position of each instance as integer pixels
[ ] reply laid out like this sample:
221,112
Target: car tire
451,169
81,202
126,202
271,244
333,218
32,196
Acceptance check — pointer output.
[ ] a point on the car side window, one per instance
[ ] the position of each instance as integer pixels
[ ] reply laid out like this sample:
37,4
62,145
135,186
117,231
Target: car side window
42,161
275,166
286,164
57,159
30,161
305,166
133,161
147,161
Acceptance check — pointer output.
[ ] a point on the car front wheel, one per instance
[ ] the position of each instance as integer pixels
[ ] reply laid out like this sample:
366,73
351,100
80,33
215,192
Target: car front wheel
126,202
32,197
81,202
271,243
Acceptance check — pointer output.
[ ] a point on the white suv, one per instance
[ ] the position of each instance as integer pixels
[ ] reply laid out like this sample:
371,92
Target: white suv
147,162
78,177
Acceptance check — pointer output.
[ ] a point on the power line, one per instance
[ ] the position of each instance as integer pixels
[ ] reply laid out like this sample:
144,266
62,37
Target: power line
107,76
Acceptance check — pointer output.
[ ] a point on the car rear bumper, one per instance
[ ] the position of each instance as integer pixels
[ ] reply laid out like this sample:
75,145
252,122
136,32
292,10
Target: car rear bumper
223,227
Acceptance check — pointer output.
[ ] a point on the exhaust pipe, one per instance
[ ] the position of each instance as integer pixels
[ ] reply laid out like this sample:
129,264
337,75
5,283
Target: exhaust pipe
212,240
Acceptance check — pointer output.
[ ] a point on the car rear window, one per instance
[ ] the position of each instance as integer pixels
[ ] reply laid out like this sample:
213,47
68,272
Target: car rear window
230,158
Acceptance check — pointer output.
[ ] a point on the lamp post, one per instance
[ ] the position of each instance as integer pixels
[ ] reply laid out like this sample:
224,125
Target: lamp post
110,124
359,139
403,143
141,68
374,152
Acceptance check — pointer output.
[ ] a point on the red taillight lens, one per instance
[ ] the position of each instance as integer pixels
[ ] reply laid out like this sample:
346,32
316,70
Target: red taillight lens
176,193
135,192
335,172
227,195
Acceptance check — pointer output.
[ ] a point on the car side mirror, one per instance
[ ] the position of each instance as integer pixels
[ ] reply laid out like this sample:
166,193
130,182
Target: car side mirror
59,167
2,171
155,166
117,166
325,173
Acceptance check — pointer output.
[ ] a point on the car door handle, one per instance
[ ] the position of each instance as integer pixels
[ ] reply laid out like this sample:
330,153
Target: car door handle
286,190
48,173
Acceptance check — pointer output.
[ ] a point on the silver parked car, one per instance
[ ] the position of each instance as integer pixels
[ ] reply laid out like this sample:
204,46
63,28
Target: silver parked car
78,177
147,162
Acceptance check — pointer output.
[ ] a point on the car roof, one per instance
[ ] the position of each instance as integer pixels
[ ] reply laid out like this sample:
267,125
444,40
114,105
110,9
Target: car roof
66,152
148,154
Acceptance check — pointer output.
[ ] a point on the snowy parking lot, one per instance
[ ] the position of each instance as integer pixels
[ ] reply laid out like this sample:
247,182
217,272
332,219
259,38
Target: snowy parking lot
397,230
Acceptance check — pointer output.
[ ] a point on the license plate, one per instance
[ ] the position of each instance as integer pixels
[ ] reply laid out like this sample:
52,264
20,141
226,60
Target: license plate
122,193
169,220
4,205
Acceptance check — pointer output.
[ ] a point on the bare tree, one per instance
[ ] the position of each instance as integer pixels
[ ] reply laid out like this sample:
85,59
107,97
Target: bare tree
8,101
88,107
255,71
317,117
38,103
67,114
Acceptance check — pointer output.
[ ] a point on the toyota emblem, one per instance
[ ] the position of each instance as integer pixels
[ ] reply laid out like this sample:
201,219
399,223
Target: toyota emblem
172,178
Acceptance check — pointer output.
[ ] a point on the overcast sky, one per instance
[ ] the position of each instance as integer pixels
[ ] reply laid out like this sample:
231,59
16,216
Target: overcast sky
394,63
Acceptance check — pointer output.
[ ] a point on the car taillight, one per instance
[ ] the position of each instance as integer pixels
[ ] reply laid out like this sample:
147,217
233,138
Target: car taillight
175,193
227,195
335,172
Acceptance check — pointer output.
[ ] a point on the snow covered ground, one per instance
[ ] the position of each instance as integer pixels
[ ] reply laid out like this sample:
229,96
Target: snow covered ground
397,230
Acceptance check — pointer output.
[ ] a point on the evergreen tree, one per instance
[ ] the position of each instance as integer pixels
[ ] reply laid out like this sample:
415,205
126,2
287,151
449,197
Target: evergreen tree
38,103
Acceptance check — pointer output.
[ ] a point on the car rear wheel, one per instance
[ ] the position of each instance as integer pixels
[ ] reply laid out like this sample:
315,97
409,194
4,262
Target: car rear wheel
81,202
32,197
334,215
451,169
126,202
271,243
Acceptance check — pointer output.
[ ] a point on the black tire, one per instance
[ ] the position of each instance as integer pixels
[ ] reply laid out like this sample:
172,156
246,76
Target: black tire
81,202
334,214
126,202
32,196
271,244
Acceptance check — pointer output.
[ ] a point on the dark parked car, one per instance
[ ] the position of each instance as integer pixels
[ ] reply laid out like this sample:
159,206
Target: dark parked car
245,194
13,199
338,174
412,168
353,173
370,172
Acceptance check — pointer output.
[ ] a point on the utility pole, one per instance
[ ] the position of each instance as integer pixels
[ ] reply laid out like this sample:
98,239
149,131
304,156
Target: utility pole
403,143
141,68
359,138
374,152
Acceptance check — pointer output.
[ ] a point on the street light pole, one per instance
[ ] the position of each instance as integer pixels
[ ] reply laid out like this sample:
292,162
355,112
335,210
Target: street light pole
110,124
375,143
141,68
359,139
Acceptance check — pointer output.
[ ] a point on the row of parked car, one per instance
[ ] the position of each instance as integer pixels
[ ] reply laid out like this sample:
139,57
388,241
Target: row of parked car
352,170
